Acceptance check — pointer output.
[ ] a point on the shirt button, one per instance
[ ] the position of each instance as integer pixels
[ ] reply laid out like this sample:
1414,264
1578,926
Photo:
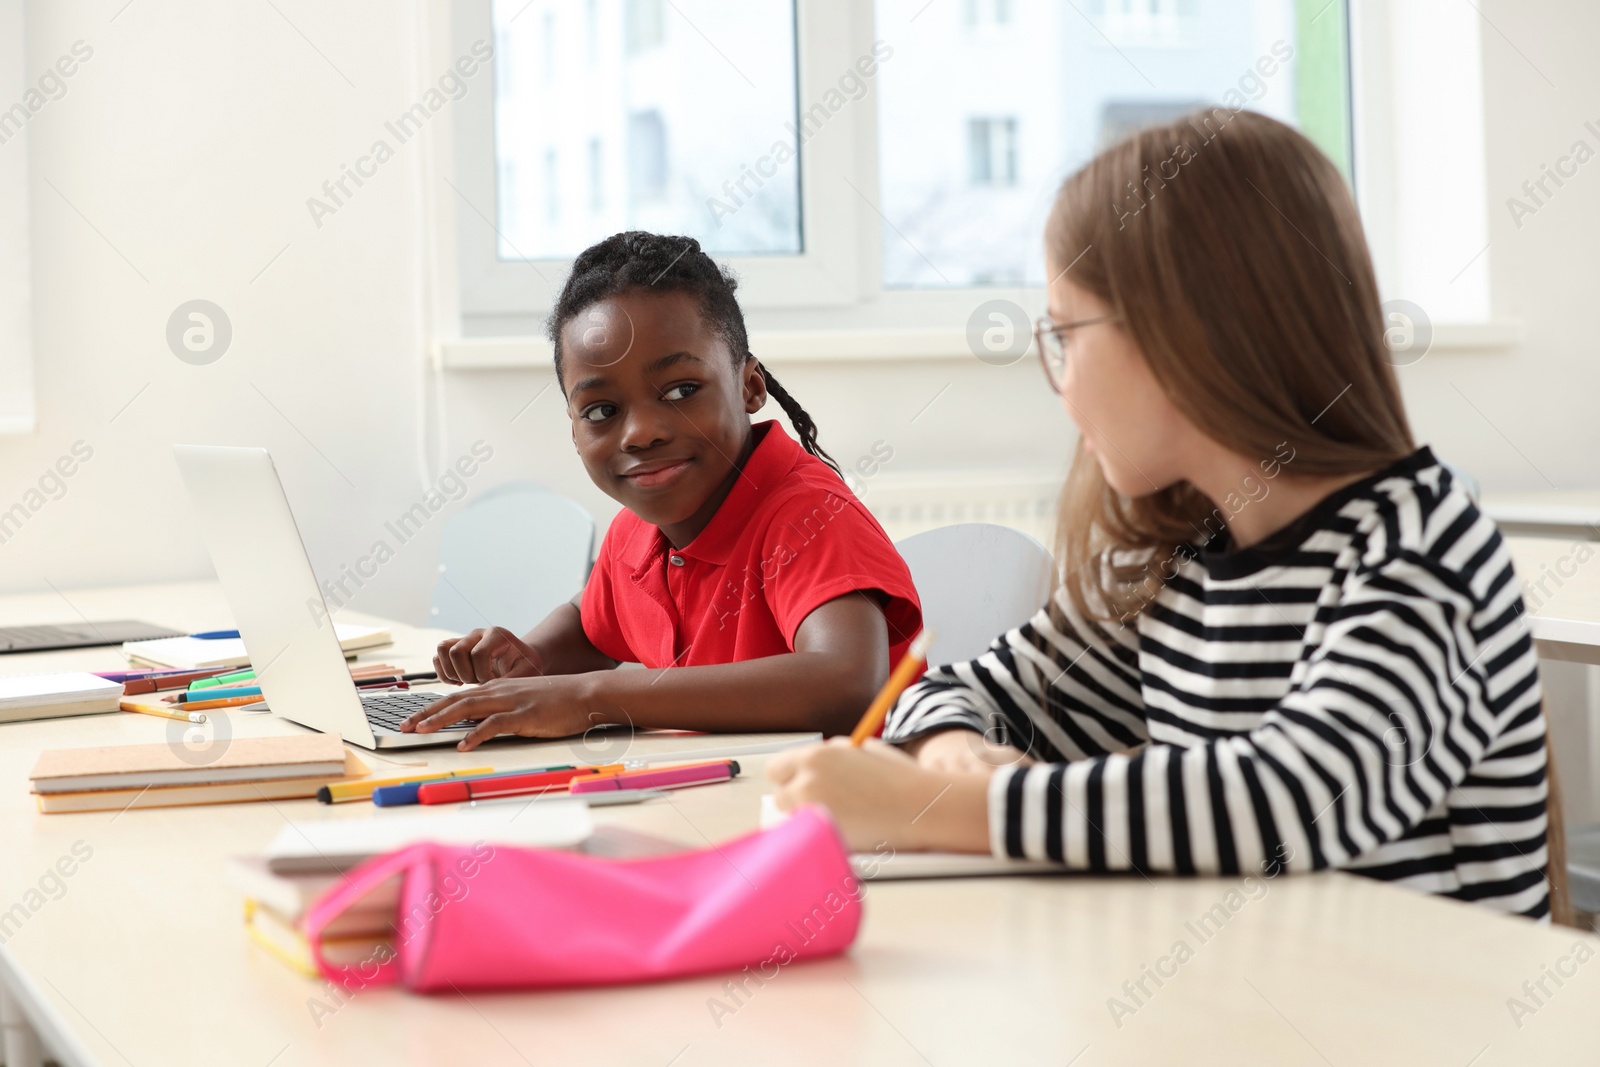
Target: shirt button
676,561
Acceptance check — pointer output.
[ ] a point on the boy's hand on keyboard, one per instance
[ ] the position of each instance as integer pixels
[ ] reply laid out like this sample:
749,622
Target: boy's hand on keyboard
484,655
554,706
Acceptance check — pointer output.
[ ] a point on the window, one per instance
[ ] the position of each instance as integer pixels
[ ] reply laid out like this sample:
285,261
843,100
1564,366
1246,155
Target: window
1072,82
597,197
978,12
552,199
647,156
992,151
858,163
692,136
645,25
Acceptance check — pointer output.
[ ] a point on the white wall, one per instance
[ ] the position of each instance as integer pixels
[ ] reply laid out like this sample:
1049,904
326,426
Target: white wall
1526,419
193,137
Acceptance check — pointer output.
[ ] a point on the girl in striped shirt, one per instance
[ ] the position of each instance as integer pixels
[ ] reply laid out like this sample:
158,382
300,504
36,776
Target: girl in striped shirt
1284,638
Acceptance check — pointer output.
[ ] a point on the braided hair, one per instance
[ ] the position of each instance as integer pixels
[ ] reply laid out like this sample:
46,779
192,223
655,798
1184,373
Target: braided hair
640,260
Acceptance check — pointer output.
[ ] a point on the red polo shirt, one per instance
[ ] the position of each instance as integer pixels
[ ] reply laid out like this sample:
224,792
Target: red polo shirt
788,538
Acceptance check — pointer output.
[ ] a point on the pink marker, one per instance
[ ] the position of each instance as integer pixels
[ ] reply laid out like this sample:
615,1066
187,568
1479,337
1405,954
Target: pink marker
666,778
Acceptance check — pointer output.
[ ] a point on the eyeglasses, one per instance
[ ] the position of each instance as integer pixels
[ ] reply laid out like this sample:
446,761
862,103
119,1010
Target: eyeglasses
1052,339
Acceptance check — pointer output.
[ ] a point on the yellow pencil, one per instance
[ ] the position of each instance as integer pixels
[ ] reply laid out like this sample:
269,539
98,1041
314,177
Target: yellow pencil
162,713
335,792
911,667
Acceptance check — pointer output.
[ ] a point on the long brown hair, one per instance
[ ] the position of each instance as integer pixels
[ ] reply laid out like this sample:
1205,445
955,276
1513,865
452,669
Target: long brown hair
1231,252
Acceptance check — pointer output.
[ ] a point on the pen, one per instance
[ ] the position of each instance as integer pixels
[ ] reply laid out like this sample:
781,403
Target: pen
396,678
181,716
339,792
664,778
215,635
912,666
507,785
382,683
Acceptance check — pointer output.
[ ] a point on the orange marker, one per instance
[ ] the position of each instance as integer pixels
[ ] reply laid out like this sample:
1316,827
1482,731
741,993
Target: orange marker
910,668
230,702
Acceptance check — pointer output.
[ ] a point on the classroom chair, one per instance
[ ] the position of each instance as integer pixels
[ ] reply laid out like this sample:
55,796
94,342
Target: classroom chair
509,558
976,580
1583,869
1561,850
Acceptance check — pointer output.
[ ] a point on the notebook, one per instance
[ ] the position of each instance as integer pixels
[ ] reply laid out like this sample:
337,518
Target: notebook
197,653
290,896
47,638
245,759
287,941
888,865
49,696
172,796
333,846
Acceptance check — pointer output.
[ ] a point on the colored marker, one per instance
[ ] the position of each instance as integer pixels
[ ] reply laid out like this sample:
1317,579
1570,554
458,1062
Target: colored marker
508,785
403,793
665,778
339,792
230,702
223,679
217,693
154,683
139,674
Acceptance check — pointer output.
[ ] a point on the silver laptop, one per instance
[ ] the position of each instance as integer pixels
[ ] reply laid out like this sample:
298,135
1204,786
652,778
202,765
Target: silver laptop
284,622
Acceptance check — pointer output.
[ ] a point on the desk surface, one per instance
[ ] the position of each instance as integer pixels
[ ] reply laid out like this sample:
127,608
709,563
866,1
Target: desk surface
1559,512
1561,584
142,959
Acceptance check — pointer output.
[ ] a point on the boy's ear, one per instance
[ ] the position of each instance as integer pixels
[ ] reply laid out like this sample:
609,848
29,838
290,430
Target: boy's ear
755,386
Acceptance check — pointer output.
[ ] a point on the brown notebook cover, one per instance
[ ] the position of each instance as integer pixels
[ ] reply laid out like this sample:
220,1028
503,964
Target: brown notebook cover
170,796
243,752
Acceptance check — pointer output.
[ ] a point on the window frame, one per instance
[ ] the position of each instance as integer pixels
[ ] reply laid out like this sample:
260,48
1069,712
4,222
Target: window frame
833,290
829,37
17,410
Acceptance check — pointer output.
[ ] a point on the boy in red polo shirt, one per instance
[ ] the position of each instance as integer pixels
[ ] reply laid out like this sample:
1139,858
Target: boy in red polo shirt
742,568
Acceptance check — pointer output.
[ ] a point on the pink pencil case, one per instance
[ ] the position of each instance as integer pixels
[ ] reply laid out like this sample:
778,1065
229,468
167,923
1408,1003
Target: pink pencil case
484,917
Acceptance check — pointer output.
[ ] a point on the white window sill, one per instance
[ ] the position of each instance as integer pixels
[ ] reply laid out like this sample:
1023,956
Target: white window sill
856,346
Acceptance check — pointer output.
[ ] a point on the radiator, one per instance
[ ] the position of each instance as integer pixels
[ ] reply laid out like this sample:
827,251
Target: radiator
909,502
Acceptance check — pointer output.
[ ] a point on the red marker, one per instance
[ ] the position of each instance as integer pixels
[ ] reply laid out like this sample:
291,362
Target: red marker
666,778
505,785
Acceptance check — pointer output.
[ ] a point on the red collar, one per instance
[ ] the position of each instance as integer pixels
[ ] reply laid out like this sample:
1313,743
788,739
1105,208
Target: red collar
770,462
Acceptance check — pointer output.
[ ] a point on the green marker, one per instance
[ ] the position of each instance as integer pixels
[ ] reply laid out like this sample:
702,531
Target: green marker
223,679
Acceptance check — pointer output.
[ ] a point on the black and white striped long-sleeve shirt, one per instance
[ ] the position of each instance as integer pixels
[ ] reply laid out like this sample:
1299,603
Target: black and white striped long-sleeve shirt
1359,691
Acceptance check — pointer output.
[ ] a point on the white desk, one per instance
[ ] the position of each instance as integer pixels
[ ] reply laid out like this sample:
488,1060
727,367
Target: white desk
1546,512
1561,581
143,959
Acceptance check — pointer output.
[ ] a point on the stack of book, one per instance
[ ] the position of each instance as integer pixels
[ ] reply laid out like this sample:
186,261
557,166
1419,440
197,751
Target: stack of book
305,861
196,653
275,907
50,696
118,777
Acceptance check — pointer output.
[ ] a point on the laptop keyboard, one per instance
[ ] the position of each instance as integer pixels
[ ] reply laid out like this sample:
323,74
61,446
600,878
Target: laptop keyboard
388,711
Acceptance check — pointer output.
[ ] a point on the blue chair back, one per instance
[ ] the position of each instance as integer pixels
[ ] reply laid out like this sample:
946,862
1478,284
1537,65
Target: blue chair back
511,557
976,580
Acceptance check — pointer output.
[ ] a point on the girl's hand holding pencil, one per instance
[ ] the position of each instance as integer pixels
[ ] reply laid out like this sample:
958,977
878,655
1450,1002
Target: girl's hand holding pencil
880,795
